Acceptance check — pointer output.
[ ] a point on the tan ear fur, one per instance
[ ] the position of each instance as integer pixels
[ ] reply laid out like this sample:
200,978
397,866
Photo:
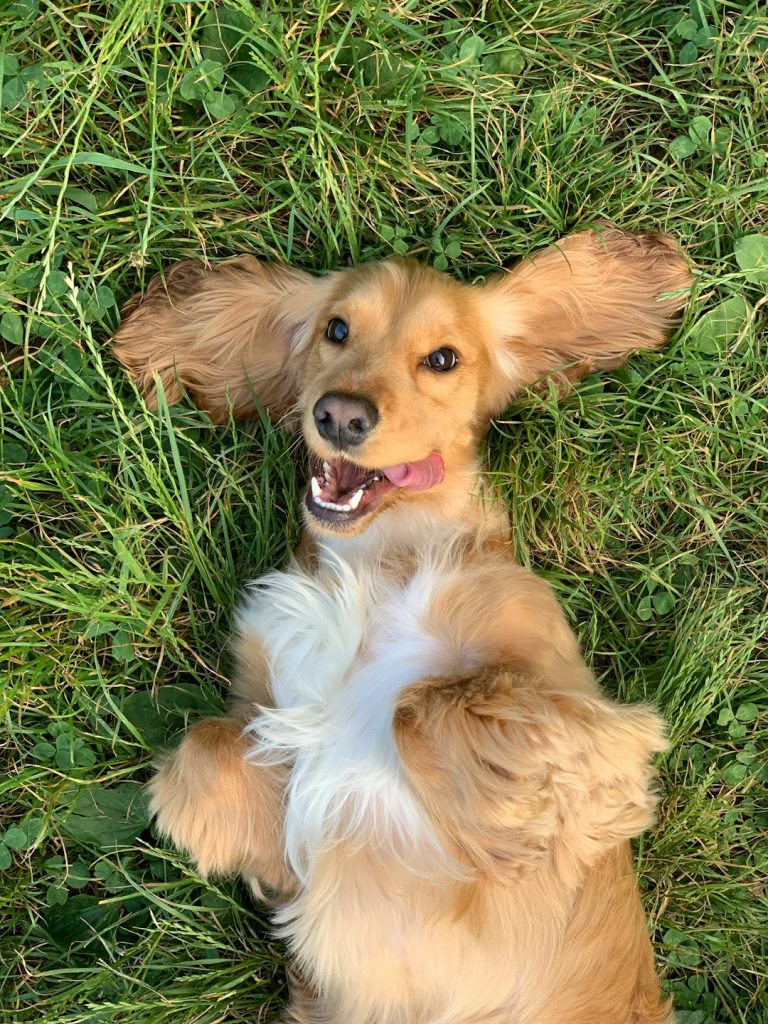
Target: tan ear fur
222,809
230,334
512,774
583,305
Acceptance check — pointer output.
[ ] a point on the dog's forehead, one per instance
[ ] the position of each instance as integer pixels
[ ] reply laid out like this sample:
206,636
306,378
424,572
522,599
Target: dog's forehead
401,298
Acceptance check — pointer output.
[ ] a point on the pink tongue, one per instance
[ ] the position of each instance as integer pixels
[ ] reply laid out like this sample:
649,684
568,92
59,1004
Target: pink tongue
418,476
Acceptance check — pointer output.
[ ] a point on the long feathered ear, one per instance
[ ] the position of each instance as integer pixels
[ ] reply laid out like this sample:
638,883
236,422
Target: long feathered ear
513,775
230,334
582,305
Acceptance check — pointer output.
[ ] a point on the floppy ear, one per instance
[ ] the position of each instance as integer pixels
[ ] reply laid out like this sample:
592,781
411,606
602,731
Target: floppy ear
583,305
514,776
229,334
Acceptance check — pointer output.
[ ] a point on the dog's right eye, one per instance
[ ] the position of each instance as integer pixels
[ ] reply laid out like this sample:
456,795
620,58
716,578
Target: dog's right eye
442,359
337,331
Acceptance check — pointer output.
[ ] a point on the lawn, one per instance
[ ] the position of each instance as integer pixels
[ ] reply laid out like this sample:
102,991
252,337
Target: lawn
137,132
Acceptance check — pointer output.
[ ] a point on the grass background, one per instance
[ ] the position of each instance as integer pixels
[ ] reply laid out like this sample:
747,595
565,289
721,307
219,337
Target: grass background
136,132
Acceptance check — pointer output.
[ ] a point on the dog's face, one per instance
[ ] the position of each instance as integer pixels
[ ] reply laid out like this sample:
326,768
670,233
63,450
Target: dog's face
394,369
391,390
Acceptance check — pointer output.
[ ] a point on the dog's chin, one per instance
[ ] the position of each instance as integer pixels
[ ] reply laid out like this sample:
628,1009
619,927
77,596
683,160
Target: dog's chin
344,498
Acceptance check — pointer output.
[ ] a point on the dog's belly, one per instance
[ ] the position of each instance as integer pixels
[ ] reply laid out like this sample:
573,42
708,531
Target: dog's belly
341,646
383,946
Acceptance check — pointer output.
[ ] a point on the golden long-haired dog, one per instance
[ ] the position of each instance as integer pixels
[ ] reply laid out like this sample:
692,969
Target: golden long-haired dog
417,763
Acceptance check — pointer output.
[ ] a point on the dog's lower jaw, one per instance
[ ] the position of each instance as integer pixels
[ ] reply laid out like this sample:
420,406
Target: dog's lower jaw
464,508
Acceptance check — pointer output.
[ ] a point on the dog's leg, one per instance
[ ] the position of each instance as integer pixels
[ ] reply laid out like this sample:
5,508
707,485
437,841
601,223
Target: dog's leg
221,808
520,779
521,764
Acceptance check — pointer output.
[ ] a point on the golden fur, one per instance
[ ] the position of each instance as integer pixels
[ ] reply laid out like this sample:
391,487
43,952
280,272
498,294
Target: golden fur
518,903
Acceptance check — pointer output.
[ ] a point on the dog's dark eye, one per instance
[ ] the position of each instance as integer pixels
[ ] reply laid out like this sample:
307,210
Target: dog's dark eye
442,359
337,331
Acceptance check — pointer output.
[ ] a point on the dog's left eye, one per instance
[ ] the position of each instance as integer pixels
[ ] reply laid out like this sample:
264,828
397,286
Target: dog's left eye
442,359
337,331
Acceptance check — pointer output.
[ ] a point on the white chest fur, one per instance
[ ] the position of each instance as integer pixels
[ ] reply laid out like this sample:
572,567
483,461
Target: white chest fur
342,644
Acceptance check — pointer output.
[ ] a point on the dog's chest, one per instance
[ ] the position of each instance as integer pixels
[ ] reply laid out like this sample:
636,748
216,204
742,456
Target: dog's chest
342,645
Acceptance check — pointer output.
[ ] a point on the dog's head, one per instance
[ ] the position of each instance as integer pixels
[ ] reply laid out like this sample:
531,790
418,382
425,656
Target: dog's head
393,370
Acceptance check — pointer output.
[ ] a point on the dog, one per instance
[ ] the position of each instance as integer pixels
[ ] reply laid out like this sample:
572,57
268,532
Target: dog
417,765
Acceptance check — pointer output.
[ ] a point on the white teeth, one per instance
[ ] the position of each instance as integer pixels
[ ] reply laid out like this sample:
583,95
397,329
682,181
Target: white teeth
326,468
317,490
333,506
356,498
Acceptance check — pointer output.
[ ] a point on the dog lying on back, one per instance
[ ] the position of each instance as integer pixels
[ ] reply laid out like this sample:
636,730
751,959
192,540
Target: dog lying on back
417,763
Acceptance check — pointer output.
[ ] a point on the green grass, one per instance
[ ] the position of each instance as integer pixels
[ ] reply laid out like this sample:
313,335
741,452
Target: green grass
325,134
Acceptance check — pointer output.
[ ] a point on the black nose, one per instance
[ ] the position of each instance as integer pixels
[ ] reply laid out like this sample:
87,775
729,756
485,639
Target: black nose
345,420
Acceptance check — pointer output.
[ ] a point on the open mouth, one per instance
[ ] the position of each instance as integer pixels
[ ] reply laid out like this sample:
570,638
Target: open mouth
340,492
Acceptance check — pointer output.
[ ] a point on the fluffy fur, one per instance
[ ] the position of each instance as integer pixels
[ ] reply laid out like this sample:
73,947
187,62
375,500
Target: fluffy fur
417,762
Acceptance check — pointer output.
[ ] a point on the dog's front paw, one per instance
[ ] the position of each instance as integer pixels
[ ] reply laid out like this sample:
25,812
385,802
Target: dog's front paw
196,796
219,807
510,770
